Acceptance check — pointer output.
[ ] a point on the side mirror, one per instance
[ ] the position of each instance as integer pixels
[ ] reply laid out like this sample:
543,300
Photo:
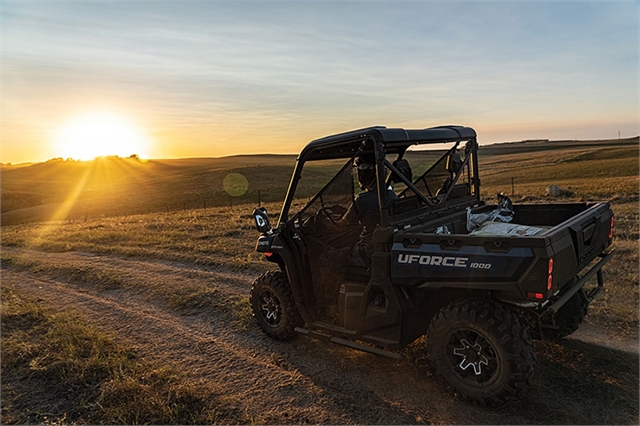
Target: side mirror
262,219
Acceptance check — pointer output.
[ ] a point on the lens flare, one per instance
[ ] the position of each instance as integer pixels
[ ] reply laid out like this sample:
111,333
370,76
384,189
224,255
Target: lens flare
235,184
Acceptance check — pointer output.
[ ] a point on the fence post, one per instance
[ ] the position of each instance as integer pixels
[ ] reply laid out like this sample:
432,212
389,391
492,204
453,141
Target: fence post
513,190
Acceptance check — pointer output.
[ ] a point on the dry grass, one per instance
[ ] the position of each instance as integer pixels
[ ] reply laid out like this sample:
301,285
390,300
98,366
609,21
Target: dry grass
599,174
618,307
76,374
174,293
215,237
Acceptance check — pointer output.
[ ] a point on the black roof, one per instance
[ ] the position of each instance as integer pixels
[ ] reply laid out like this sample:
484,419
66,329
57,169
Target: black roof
344,145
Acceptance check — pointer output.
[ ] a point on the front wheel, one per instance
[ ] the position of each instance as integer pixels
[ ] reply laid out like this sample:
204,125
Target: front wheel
480,349
273,305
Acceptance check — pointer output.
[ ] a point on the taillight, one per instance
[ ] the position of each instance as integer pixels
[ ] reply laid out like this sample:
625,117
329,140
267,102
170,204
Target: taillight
611,228
541,296
268,253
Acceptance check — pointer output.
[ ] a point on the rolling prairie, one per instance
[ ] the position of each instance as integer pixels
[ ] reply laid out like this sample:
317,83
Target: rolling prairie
132,305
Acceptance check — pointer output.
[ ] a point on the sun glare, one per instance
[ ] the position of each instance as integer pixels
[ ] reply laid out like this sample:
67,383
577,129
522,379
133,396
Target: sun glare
92,135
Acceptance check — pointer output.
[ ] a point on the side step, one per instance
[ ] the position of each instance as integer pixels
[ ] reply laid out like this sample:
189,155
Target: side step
348,343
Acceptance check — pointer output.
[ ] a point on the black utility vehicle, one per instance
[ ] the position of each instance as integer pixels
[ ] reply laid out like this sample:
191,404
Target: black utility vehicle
480,280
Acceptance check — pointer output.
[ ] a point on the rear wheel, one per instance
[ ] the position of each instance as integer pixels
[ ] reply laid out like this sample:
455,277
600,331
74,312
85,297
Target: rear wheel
569,317
481,350
273,305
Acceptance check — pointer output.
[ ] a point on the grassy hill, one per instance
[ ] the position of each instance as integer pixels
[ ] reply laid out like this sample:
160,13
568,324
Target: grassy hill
113,186
593,170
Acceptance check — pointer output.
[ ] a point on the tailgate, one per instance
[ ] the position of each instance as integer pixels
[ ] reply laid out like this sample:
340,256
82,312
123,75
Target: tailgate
580,239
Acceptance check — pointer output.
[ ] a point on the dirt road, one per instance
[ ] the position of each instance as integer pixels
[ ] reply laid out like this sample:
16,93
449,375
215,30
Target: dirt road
304,380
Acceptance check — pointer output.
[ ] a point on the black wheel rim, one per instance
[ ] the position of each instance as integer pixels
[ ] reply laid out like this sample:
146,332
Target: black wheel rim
271,308
472,357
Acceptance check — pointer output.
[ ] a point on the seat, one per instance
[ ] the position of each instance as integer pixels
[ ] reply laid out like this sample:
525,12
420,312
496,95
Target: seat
404,168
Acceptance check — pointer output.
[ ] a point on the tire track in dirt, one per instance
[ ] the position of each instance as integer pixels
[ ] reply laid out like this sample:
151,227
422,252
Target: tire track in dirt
154,269
243,377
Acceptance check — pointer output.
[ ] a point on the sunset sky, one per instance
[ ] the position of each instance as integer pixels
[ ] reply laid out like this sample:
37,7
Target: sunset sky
208,79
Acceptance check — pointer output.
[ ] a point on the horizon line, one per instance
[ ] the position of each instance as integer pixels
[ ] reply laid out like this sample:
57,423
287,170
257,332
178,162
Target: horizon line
136,157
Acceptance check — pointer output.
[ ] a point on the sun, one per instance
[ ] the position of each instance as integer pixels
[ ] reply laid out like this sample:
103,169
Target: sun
96,134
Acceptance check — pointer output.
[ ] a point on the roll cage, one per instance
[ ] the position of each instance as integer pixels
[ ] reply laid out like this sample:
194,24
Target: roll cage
450,177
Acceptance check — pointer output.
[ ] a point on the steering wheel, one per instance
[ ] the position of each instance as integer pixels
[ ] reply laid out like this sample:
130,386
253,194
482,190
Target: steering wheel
326,212
333,213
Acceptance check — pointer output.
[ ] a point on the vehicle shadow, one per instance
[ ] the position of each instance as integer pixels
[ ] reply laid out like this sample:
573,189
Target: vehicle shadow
582,383
350,382
575,383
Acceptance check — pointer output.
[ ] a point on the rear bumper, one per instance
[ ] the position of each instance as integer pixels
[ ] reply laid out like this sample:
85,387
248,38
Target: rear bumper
568,293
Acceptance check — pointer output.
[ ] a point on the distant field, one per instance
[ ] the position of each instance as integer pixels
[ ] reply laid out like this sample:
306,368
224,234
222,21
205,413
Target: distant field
588,173
112,186
62,190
